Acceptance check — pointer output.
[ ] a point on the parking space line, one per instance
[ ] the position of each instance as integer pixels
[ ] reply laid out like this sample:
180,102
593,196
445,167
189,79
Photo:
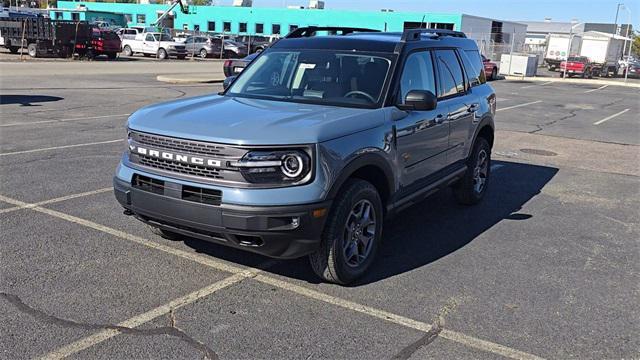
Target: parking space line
56,200
63,120
534,85
216,264
60,147
148,316
519,105
611,117
600,88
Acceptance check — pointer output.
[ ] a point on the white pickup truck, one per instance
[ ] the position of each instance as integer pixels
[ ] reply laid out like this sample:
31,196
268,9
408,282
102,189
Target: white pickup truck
157,44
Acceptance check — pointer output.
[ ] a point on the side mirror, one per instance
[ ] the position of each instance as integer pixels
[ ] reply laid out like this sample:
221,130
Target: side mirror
421,100
227,82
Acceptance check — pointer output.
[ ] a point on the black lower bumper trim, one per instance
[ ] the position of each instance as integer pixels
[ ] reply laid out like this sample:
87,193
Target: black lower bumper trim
275,231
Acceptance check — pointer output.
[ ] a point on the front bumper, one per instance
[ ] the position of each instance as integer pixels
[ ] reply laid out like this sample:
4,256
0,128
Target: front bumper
276,231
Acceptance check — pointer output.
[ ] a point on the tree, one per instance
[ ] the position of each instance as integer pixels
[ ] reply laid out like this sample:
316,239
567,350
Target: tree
635,48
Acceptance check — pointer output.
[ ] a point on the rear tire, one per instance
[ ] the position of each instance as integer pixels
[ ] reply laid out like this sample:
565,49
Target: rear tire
127,51
471,188
162,54
351,235
203,53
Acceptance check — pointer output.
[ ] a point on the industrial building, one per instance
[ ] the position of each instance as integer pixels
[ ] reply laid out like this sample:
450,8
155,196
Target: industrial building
247,20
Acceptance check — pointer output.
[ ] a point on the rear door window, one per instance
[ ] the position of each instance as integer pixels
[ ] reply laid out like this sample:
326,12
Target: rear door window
474,67
450,73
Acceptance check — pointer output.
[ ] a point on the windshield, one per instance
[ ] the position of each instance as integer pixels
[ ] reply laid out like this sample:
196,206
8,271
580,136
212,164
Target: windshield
315,76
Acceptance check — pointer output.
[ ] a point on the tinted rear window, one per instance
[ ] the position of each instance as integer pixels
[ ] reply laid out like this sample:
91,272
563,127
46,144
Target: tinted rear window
474,67
451,78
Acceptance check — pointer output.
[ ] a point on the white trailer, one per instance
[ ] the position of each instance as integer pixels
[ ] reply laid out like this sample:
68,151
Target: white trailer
558,49
603,50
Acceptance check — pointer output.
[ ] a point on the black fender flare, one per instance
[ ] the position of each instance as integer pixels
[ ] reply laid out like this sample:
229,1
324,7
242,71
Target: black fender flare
366,159
487,120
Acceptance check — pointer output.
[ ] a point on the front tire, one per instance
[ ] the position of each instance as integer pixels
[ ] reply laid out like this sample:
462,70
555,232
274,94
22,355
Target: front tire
127,51
471,188
351,235
203,53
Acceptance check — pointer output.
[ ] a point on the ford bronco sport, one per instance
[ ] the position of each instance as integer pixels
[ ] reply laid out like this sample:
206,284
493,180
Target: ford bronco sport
314,145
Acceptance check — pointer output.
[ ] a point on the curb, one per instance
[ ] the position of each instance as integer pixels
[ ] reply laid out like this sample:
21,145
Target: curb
633,84
189,79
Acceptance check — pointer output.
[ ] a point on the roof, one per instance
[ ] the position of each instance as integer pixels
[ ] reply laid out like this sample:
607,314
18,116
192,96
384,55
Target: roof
374,42
551,27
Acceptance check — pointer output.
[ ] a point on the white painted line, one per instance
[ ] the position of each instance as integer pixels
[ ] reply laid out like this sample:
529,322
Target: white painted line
520,105
56,200
216,264
62,120
534,85
150,315
397,319
611,117
61,147
600,88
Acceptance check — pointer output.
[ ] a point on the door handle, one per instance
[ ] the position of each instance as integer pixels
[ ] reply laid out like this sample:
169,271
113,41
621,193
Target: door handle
439,119
473,107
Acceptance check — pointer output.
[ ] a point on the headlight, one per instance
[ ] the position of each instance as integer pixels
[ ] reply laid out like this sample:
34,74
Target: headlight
276,167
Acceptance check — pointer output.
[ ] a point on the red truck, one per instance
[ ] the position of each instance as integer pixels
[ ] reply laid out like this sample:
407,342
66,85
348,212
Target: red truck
105,42
577,65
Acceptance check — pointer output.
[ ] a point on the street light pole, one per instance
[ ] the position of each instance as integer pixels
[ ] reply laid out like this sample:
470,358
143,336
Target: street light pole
626,70
617,11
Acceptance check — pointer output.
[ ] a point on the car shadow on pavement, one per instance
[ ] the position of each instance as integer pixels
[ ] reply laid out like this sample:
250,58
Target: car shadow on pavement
427,231
27,100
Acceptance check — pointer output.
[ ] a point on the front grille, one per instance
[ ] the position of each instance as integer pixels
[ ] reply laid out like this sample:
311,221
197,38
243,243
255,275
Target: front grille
220,153
196,147
187,169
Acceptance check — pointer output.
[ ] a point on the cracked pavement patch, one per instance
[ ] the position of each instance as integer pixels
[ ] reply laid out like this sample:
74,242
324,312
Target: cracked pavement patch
171,330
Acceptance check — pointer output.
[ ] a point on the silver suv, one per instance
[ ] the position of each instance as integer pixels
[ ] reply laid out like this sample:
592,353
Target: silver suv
319,141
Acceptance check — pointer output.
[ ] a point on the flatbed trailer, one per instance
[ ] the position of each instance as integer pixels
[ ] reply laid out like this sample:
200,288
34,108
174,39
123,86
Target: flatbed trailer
44,37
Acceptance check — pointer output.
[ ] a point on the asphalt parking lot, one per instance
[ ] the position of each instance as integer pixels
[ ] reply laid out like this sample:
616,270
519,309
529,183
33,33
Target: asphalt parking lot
546,267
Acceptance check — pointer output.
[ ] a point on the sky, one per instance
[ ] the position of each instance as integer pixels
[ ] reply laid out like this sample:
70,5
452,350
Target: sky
536,10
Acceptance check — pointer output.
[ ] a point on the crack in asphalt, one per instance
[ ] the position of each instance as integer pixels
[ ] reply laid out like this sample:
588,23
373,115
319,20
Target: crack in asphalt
540,127
171,330
430,335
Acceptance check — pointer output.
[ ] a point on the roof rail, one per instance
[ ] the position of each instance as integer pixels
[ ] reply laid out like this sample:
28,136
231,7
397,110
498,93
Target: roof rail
415,34
312,30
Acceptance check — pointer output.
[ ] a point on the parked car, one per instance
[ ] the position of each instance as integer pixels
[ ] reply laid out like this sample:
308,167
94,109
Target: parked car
633,69
202,46
105,42
315,145
490,68
233,49
160,45
235,66
256,43
577,65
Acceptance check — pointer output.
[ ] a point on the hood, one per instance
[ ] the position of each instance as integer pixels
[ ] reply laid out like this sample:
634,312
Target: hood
242,121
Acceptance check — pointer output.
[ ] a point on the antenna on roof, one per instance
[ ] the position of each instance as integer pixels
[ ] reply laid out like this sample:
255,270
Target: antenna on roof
422,24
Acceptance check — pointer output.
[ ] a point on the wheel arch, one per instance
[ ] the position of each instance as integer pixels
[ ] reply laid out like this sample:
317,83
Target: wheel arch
372,167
